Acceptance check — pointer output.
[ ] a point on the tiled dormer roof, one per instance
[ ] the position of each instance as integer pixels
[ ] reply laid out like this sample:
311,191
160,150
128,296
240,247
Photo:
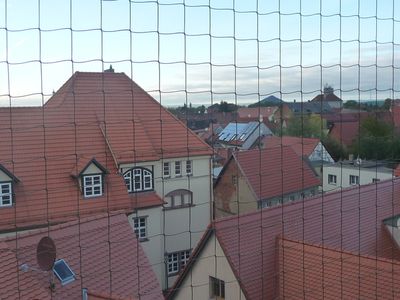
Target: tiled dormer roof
101,115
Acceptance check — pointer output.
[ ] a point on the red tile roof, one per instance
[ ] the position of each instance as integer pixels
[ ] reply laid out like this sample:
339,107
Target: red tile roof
275,171
253,113
318,272
302,146
350,220
345,132
95,248
102,116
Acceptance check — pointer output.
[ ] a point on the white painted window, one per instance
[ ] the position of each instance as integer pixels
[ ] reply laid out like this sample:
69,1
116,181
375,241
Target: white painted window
178,168
176,261
189,167
138,179
217,288
179,198
354,180
140,227
166,169
5,194
332,179
92,185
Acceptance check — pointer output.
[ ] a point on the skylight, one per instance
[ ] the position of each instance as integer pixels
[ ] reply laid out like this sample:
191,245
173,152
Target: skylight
63,272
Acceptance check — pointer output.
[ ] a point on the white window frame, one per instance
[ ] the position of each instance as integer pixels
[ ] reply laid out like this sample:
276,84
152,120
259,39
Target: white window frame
91,186
139,176
166,169
176,261
332,179
220,294
178,167
179,199
8,194
354,180
189,167
140,227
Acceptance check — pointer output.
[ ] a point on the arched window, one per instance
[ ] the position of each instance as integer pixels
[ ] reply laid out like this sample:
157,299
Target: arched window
178,198
138,180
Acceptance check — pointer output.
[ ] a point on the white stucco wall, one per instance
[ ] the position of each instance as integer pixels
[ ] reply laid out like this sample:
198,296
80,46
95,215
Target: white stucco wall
181,228
211,262
320,154
343,172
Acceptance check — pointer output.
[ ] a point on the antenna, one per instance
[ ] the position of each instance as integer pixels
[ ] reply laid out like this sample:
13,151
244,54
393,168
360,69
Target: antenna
46,253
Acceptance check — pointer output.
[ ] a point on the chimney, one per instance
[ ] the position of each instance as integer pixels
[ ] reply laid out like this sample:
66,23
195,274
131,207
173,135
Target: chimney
109,70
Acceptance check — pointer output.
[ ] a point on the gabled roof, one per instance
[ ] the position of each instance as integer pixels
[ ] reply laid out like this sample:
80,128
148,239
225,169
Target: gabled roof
8,173
345,132
327,97
320,272
349,220
310,107
339,220
274,172
95,248
101,115
255,112
83,164
302,146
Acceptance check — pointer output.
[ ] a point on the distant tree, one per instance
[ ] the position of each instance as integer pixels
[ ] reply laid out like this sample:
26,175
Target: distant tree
352,104
375,140
387,104
335,149
306,126
201,109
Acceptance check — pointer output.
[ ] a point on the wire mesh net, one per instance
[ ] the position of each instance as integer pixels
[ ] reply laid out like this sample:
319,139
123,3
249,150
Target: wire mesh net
199,149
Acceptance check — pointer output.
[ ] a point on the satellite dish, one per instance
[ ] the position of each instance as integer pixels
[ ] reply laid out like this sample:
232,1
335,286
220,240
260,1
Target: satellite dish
46,253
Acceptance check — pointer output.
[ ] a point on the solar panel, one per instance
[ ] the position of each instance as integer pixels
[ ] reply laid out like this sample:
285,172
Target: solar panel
63,272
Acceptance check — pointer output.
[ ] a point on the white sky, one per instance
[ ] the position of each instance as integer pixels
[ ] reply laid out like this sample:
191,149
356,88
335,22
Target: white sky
199,51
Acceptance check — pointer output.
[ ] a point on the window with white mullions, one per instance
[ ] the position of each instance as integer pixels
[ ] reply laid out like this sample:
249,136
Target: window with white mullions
92,185
173,263
176,261
5,194
217,288
189,168
178,168
166,169
140,227
331,179
354,180
138,179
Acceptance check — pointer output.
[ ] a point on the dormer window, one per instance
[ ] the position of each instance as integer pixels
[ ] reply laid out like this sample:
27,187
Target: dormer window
91,179
92,185
7,179
138,179
5,194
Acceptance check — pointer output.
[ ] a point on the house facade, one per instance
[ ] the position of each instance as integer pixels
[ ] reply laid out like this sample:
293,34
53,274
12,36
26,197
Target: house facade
260,178
282,252
101,143
349,173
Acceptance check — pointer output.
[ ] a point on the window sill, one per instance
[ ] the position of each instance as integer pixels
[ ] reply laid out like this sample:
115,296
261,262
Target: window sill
142,240
166,177
179,207
92,197
178,176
